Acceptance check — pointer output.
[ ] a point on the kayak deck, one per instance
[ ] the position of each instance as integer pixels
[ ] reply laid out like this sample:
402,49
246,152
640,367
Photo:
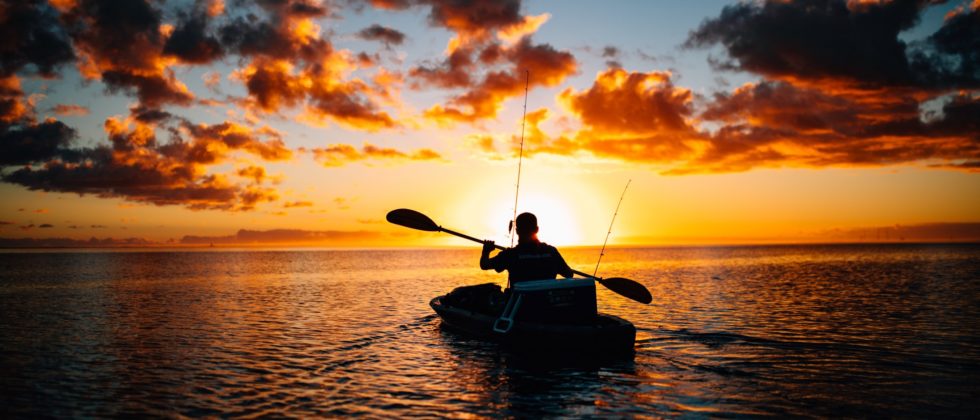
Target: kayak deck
603,333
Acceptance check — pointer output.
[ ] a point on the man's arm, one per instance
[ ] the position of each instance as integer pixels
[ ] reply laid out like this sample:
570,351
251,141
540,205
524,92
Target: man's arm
563,267
485,256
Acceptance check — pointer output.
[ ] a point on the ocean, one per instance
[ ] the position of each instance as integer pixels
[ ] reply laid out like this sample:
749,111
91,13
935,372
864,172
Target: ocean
824,331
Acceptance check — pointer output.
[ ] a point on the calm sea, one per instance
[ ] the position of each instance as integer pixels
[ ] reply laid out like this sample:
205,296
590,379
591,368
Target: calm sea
863,330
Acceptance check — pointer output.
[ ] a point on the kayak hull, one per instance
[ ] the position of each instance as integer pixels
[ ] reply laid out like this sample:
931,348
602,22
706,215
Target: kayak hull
605,334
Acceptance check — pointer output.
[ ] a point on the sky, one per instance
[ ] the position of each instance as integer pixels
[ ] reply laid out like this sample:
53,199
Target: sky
303,122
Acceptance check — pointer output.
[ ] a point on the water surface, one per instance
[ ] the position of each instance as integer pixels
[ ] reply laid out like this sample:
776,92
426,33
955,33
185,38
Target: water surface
860,330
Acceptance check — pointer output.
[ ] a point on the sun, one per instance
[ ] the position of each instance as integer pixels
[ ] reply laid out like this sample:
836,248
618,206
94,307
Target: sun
557,221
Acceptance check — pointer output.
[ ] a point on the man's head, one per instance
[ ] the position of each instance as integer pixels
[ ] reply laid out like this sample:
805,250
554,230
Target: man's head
526,225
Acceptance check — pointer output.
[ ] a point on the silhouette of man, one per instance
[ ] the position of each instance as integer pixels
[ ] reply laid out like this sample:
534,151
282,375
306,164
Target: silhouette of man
531,259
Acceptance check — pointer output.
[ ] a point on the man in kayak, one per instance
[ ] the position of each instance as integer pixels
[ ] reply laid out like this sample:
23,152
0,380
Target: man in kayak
531,259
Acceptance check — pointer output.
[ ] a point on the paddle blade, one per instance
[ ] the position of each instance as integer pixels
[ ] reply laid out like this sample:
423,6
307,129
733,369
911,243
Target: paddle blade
627,288
412,219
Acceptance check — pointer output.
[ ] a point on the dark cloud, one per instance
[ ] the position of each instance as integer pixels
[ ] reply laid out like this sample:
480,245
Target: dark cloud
278,35
191,42
473,18
149,115
611,54
46,225
152,90
30,34
856,43
383,34
28,142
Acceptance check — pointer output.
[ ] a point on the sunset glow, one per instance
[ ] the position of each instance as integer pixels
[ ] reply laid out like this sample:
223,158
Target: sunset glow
200,122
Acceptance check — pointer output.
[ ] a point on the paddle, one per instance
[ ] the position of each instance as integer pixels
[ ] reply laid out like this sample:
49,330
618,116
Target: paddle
418,221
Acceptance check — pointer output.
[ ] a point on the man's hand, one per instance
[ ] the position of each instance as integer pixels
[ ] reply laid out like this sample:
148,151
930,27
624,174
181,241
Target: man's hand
488,246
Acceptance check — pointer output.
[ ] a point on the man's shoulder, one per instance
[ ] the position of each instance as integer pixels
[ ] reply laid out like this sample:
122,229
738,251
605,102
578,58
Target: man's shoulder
545,246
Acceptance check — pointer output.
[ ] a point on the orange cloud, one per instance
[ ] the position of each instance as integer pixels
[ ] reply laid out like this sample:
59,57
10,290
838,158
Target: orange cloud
632,116
342,154
140,168
477,61
292,65
70,110
254,172
643,118
294,204
126,57
546,66
12,105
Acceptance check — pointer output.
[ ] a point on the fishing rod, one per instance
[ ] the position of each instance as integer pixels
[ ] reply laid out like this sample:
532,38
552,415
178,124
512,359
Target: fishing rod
603,250
513,221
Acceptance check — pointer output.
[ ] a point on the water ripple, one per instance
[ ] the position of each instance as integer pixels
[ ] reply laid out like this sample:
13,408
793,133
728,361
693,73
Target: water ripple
851,331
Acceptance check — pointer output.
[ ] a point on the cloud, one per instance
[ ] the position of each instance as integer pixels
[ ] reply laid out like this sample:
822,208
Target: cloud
515,32
778,124
66,110
285,236
122,44
925,232
545,66
838,88
612,54
294,204
841,88
292,65
384,34
256,173
472,19
27,141
487,57
643,118
190,41
853,43
73,243
342,154
46,225
621,102
140,168
32,36
13,107
632,116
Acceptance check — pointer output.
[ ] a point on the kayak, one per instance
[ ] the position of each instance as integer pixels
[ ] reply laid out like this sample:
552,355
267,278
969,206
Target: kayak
537,316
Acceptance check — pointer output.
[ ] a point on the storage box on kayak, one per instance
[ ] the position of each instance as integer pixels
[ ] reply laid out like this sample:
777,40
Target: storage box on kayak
556,300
